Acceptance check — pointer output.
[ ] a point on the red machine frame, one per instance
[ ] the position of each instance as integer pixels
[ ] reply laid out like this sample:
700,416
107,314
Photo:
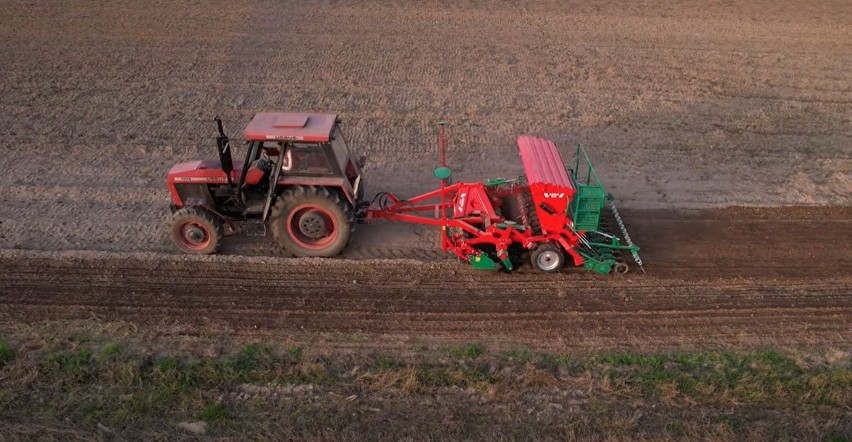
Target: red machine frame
475,222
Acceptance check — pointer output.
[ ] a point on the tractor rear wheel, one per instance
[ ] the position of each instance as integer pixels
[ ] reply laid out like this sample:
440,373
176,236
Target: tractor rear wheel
548,258
312,221
196,230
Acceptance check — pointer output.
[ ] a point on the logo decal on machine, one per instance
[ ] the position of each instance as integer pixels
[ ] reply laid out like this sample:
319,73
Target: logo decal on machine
462,200
554,194
201,179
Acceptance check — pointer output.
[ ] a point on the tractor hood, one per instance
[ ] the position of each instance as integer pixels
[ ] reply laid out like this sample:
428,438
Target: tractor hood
196,171
181,168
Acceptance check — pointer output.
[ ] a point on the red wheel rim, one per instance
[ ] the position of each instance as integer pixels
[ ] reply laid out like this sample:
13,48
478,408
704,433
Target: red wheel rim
194,235
312,226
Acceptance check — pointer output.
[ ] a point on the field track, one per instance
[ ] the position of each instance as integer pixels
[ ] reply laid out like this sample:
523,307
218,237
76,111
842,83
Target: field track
741,277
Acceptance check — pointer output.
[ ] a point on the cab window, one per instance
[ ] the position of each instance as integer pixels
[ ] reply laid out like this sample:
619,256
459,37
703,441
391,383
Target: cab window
341,150
306,159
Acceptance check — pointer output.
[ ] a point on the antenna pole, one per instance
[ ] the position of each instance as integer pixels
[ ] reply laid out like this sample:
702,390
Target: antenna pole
443,140
441,124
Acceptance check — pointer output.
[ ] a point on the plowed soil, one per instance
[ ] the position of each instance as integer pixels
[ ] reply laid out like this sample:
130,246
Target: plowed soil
739,278
685,106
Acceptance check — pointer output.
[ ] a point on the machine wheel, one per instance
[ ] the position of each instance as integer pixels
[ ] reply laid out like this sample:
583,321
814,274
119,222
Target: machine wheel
622,268
548,258
312,221
196,230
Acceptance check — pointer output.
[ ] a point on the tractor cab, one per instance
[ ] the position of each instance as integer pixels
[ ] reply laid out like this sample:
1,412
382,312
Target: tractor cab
311,143
301,156
302,145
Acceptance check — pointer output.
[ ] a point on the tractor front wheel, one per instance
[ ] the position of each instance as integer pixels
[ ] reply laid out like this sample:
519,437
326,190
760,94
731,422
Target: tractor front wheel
548,258
196,230
312,221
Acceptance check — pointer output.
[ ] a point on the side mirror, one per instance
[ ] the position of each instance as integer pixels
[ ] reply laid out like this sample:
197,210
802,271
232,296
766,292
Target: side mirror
443,173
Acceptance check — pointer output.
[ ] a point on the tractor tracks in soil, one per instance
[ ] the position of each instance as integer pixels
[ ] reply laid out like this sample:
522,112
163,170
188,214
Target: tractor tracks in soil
742,277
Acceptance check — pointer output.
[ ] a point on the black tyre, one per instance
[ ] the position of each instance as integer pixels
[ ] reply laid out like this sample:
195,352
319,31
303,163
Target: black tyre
312,221
548,258
196,230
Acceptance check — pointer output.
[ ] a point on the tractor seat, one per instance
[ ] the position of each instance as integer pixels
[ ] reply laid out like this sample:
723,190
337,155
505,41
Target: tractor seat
255,172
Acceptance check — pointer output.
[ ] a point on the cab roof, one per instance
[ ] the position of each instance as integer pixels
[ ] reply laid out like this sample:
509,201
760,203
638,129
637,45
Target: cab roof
290,126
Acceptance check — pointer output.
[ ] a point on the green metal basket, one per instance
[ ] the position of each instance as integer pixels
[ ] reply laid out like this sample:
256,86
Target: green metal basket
586,207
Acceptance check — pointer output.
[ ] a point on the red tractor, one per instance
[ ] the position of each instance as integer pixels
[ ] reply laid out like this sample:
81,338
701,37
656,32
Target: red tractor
298,178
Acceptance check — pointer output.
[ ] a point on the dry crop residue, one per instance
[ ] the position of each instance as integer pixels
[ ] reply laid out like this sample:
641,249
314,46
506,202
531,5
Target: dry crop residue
733,105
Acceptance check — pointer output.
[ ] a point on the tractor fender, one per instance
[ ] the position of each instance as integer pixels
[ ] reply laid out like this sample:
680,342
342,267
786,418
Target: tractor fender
332,185
230,228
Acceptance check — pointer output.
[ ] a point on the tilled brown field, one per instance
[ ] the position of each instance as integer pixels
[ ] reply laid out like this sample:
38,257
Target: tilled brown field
683,104
686,106
741,278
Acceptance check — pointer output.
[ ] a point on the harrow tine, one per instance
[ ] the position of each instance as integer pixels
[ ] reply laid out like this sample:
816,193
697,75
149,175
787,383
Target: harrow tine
620,223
